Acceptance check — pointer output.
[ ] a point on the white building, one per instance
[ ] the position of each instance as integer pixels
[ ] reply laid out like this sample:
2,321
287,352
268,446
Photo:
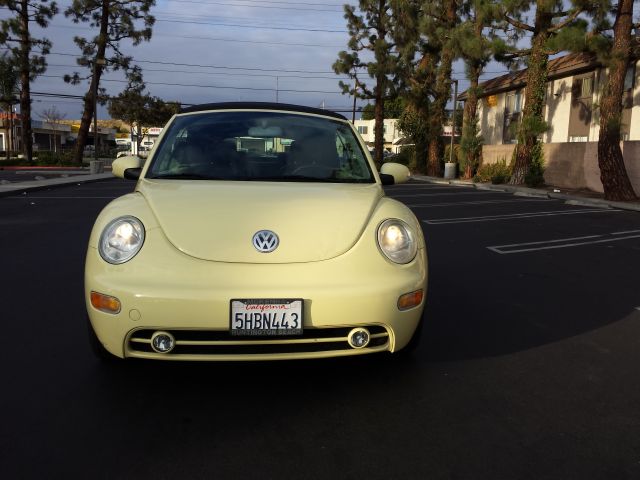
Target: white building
392,135
573,92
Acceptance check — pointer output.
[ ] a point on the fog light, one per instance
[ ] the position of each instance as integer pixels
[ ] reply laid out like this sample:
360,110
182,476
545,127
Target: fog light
359,337
105,303
410,300
162,342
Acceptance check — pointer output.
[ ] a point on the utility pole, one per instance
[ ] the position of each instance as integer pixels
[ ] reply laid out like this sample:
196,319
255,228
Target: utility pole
453,119
355,97
277,87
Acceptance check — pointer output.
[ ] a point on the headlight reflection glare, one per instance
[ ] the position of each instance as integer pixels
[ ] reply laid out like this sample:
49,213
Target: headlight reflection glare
397,241
121,240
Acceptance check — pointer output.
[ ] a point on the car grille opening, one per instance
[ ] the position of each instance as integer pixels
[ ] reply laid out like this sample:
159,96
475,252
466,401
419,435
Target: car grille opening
215,343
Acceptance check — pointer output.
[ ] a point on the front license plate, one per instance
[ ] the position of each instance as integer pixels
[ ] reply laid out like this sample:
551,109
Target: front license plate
256,317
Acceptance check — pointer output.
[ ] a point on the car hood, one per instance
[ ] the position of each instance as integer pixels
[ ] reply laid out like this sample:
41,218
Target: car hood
215,220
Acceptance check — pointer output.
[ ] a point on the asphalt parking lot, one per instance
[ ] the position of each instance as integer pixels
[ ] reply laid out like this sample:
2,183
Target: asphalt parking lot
528,369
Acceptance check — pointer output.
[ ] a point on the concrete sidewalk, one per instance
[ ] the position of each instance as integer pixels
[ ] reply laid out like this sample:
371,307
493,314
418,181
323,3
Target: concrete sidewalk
569,197
12,189
18,188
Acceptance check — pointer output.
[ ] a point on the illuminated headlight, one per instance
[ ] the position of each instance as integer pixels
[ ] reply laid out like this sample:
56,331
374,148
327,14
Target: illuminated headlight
121,240
397,241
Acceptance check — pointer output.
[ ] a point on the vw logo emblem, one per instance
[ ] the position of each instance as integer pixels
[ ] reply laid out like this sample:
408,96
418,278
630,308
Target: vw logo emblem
265,241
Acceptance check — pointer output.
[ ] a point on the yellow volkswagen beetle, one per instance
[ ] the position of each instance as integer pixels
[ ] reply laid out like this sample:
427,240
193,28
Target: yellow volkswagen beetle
255,232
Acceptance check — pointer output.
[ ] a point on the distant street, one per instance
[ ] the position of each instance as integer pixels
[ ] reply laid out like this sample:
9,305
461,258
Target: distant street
16,176
528,369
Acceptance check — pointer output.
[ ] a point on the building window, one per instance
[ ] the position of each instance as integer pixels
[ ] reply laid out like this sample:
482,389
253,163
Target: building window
630,77
581,108
587,87
363,129
514,102
512,113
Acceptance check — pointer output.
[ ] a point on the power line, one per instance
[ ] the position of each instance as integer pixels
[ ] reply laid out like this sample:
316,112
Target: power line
271,7
208,66
199,37
239,25
268,75
256,89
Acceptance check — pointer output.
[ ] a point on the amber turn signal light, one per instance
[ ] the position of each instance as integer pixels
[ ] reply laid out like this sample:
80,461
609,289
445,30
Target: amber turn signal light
105,303
410,300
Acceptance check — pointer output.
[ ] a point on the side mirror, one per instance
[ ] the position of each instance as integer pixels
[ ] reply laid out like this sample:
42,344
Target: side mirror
399,172
127,167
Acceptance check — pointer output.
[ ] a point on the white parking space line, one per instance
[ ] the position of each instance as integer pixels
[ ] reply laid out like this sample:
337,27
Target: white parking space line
61,198
479,202
428,186
513,216
626,233
559,243
475,192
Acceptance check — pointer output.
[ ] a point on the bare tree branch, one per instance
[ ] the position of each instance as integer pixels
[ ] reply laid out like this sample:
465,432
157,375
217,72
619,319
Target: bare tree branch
566,21
519,24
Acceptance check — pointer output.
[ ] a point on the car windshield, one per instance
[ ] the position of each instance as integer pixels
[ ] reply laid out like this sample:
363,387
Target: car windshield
262,146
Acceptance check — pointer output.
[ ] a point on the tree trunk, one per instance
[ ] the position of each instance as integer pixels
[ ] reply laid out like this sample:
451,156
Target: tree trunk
469,119
89,98
25,92
532,119
433,157
613,173
10,145
419,98
380,93
442,95
378,129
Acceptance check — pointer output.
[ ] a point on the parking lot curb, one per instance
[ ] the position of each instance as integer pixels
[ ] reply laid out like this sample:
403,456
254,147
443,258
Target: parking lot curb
536,193
13,189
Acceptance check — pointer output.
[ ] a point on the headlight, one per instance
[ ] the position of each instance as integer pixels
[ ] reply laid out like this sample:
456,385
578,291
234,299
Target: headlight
121,239
397,241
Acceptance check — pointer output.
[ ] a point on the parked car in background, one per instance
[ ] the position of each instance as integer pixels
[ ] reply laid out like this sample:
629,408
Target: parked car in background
255,232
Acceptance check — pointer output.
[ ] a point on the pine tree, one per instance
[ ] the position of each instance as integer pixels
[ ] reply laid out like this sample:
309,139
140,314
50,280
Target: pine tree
115,20
136,108
15,33
369,32
475,44
9,92
614,47
553,30
424,38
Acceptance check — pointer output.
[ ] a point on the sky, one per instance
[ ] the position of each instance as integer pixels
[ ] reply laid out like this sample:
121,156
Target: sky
205,51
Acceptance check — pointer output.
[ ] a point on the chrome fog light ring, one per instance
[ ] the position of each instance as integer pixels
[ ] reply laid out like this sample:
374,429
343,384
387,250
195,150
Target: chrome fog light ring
162,342
359,338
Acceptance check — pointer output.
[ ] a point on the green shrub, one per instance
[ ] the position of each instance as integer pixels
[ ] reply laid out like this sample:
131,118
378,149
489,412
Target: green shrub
48,158
535,177
495,173
408,157
457,153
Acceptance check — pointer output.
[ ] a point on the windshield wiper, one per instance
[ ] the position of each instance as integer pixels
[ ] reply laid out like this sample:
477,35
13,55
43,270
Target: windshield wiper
183,176
294,178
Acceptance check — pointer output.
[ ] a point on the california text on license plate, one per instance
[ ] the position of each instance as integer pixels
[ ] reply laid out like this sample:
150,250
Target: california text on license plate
266,317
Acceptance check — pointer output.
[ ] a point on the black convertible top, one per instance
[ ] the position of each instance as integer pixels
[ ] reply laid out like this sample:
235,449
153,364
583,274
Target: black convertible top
261,106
